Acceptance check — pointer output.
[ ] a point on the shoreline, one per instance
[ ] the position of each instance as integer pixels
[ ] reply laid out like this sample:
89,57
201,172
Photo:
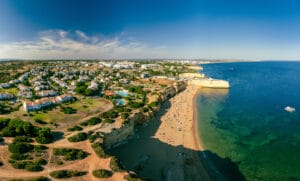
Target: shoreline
198,142
179,128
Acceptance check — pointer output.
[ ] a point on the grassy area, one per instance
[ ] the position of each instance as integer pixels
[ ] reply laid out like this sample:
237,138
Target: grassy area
84,107
12,90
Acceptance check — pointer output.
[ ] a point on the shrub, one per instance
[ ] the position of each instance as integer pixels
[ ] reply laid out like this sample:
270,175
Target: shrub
70,153
68,110
39,179
44,136
17,156
115,165
39,148
110,114
78,137
153,104
22,139
75,128
33,167
39,121
59,162
99,150
66,173
20,147
109,121
94,121
41,161
101,173
132,177
84,124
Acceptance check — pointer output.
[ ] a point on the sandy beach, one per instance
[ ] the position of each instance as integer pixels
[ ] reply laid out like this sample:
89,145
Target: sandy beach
179,128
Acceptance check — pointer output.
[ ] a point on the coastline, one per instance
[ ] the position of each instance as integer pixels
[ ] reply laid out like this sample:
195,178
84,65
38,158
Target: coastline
179,128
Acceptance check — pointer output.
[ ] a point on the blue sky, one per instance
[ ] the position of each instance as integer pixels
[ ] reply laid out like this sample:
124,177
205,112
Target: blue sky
256,29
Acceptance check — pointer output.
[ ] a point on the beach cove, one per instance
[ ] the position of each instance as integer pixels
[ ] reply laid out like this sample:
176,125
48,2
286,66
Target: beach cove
168,147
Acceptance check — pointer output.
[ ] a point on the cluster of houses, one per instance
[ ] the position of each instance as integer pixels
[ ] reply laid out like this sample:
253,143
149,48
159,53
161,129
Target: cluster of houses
9,84
45,102
6,96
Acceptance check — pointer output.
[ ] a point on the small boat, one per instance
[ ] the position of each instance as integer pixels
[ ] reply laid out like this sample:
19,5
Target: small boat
289,109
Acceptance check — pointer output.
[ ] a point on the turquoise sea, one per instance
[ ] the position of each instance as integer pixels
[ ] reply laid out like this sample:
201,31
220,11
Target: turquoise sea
247,124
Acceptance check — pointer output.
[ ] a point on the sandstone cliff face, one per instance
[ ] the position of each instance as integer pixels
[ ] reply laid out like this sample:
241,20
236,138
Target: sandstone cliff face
118,135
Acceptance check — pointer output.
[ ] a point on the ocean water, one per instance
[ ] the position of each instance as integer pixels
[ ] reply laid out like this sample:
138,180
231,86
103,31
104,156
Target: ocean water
248,124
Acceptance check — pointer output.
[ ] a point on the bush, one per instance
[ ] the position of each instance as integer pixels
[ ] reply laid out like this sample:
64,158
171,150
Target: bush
16,127
33,167
75,128
115,165
24,139
135,105
153,104
109,121
39,121
17,156
94,121
99,150
110,114
78,137
68,110
39,148
20,147
39,179
66,173
70,153
84,124
101,173
41,161
132,177
59,162
44,136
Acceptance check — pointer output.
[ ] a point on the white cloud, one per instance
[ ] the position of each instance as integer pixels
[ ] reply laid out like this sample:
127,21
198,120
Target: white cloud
60,44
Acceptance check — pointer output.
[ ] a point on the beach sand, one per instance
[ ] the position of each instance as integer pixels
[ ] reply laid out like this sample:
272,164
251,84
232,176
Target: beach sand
178,128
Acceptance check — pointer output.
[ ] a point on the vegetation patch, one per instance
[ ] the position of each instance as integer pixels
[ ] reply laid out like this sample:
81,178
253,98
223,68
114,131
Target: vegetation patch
70,153
115,165
99,150
60,174
68,110
101,173
32,179
75,128
132,177
78,137
110,114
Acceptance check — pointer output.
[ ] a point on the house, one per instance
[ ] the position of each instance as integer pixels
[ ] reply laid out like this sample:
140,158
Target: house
94,85
109,93
144,75
6,96
45,102
46,93
38,104
5,85
64,98
26,94
23,87
150,66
